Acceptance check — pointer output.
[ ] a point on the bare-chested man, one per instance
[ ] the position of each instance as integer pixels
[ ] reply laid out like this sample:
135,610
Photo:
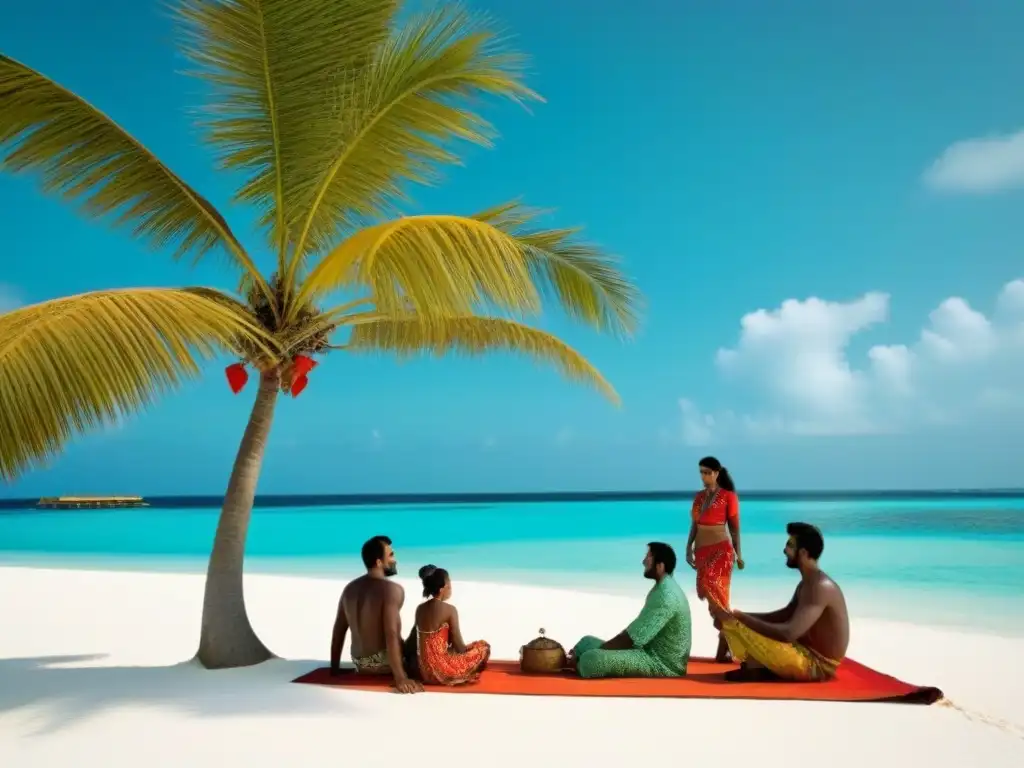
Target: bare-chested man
806,640
370,606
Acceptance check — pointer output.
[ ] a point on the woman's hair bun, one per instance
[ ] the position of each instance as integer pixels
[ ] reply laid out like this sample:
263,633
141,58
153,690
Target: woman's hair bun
426,570
434,579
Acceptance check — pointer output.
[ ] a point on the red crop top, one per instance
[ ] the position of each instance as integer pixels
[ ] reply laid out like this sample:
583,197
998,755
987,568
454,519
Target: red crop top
724,507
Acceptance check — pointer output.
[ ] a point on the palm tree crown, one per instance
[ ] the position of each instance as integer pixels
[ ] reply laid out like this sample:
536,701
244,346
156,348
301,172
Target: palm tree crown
329,110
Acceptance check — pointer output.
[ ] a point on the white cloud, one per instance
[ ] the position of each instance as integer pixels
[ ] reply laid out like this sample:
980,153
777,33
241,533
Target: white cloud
958,334
962,366
893,366
1011,300
9,298
698,427
979,165
799,352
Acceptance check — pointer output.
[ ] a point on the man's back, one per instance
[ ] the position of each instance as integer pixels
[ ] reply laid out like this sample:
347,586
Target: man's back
363,600
672,643
830,634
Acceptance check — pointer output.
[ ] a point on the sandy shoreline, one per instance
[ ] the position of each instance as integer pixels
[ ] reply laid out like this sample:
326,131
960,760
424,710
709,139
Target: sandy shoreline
940,607
94,663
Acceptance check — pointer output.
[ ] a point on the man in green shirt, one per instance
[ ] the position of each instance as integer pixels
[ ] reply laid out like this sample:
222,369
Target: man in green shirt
657,642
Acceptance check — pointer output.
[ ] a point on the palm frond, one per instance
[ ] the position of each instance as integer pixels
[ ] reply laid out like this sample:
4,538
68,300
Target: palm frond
430,265
403,116
440,265
74,363
408,336
279,72
585,281
81,155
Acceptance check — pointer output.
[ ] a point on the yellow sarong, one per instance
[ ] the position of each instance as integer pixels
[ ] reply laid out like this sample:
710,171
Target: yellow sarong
790,661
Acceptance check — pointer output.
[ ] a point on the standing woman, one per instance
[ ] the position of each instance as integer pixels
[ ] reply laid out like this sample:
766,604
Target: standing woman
714,542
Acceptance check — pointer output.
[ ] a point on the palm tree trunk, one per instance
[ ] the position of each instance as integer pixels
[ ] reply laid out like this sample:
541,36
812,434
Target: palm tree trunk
227,638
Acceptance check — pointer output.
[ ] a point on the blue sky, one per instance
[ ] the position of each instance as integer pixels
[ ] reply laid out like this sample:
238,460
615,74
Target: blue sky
738,156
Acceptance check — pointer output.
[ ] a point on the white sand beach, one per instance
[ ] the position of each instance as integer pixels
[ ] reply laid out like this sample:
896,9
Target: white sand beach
94,670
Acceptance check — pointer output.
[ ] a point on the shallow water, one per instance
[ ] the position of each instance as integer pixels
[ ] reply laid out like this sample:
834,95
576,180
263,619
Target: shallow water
947,561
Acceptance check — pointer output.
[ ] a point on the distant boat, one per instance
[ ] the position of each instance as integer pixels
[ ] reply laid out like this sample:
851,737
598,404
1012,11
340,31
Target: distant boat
90,502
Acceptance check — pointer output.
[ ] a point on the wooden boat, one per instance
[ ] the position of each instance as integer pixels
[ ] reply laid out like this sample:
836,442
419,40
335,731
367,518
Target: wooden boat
90,502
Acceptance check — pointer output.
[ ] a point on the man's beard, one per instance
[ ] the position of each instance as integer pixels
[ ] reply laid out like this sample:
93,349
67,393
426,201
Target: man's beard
650,574
391,570
792,563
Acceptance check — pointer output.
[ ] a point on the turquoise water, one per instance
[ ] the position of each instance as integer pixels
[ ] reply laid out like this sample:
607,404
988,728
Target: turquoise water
957,561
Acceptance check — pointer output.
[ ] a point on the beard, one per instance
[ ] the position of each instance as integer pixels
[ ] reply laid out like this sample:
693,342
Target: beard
791,562
391,570
650,574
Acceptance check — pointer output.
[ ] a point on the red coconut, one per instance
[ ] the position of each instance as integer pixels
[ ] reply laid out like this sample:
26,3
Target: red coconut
237,377
299,384
302,365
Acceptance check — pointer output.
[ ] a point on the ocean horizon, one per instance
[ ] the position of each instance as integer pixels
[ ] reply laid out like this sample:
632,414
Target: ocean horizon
187,501
940,558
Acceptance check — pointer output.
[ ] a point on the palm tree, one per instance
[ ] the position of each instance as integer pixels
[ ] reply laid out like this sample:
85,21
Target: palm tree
329,109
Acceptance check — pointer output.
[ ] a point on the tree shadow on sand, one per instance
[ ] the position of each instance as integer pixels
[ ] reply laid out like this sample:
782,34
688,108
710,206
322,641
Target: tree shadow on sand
62,690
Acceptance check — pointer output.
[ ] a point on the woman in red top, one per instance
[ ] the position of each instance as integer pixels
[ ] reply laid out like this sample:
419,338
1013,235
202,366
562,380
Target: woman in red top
714,542
444,658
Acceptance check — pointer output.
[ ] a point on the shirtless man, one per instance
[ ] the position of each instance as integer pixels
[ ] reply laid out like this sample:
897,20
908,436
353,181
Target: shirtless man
370,606
803,642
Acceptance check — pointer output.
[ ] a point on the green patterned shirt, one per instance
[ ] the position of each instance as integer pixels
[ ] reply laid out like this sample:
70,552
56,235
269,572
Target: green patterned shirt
663,627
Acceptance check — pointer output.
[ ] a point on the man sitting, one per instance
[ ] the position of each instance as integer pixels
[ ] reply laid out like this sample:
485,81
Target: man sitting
370,606
657,642
803,642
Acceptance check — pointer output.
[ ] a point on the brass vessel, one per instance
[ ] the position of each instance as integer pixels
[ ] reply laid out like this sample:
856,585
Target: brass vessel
542,656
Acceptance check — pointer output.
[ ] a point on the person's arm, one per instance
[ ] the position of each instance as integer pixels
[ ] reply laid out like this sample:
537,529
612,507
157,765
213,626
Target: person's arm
652,619
415,623
810,606
410,642
782,614
620,642
732,517
338,636
393,637
455,631
690,556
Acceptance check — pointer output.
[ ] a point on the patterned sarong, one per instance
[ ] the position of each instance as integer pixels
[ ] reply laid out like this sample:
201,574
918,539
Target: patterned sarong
790,661
714,572
374,664
440,665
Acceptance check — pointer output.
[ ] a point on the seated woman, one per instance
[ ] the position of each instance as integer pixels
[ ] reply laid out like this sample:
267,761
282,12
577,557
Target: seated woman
443,658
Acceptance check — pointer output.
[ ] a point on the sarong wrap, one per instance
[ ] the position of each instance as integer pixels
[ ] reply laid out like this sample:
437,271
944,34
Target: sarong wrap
790,661
714,572
374,664
440,665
